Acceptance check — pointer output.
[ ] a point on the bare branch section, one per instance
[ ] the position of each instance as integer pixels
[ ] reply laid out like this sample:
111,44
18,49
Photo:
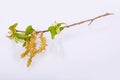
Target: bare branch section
88,20
78,23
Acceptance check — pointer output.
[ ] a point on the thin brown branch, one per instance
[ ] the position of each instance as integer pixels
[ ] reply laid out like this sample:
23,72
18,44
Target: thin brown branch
88,20
20,31
74,24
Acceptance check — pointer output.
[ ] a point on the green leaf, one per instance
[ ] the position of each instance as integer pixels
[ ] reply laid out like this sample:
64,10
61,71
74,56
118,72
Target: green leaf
12,27
24,44
21,36
56,29
29,30
53,32
60,24
61,28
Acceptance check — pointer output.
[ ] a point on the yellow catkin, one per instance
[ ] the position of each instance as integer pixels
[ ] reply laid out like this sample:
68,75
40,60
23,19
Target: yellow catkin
27,49
30,47
42,44
25,53
32,51
29,61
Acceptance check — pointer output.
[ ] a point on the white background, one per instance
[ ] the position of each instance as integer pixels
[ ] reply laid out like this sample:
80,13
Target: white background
79,53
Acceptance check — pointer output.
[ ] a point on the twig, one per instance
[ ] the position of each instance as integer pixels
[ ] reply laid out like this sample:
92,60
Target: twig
74,24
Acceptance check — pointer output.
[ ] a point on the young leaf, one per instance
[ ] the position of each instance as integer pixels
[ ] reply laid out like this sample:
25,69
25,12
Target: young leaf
60,24
12,31
53,32
61,28
55,29
12,27
24,44
58,30
21,36
29,30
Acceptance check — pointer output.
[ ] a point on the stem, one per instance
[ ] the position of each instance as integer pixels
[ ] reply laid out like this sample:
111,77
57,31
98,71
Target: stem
74,24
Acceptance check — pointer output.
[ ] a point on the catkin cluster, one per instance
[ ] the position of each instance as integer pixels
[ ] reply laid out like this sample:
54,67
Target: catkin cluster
31,49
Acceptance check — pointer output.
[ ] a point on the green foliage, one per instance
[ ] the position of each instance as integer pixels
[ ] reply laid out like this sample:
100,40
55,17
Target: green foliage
12,32
52,30
55,29
12,27
24,36
21,36
61,28
60,24
29,30
24,44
